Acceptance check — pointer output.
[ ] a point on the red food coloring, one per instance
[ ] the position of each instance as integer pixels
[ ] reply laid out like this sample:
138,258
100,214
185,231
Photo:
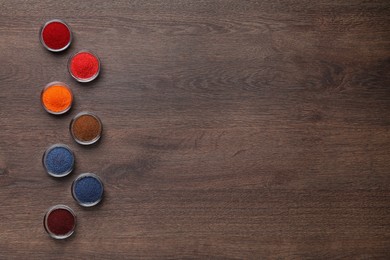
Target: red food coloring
56,35
84,66
60,222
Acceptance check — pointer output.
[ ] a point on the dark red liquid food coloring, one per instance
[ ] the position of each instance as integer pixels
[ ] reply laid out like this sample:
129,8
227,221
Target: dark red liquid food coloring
60,222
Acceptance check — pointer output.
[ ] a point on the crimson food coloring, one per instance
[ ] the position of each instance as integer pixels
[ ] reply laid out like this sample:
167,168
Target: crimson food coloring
56,35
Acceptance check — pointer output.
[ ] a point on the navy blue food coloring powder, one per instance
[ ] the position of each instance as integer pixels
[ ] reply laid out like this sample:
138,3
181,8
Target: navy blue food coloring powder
87,189
58,160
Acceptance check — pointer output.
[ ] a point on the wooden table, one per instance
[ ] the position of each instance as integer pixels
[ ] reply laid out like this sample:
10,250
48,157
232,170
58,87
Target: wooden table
232,129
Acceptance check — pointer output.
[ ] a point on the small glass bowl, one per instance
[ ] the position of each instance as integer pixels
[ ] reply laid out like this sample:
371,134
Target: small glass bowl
77,196
43,42
83,80
44,161
76,137
47,225
57,83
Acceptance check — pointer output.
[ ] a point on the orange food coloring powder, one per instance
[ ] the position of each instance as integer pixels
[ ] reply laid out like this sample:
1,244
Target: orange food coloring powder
57,99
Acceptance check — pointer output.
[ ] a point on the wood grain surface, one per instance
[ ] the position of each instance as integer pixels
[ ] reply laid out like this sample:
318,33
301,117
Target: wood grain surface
232,129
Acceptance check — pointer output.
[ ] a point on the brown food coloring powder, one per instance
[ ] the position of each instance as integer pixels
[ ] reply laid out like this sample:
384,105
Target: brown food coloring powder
86,128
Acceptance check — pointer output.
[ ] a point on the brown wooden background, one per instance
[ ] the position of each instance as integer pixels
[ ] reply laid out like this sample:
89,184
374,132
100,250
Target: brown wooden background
233,129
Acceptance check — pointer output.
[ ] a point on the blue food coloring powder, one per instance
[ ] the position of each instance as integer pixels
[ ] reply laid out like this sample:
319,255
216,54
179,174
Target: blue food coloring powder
87,190
58,160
